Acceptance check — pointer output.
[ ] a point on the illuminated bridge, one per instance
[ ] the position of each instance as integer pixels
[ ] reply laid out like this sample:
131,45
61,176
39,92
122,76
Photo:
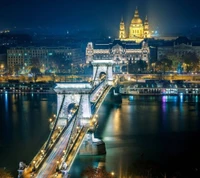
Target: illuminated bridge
77,107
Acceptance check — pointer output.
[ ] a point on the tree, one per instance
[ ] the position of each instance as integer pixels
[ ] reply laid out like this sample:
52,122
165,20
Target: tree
22,78
176,60
35,71
61,62
53,77
141,65
191,62
91,172
4,173
132,68
164,64
35,62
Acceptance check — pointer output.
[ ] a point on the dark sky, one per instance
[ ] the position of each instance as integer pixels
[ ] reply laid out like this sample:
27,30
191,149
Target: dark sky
62,15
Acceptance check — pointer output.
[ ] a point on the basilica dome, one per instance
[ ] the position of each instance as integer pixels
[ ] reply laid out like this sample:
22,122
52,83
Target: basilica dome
136,19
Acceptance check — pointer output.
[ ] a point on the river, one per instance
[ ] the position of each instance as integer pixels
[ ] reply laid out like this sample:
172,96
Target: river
163,129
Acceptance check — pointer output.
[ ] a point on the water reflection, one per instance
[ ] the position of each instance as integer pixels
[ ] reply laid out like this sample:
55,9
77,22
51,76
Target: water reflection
23,126
155,126
6,102
117,121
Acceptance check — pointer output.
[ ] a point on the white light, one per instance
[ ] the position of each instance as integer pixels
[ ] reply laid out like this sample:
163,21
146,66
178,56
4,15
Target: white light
78,85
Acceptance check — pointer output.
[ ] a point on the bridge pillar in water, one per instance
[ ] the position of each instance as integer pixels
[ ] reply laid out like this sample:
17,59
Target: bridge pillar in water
75,93
92,146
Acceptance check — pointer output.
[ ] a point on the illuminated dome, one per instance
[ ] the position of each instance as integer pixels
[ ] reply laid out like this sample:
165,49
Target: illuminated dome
136,19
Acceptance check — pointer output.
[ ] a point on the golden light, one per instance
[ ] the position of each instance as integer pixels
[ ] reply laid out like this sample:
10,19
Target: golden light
50,120
112,173
42,151
94,120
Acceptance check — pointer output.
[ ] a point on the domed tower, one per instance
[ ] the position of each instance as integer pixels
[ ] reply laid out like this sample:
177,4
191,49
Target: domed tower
136,27
146,28
122,33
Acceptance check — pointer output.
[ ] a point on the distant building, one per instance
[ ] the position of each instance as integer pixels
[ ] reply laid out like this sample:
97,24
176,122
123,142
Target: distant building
138,30
120,52
9,39
20,56
178,47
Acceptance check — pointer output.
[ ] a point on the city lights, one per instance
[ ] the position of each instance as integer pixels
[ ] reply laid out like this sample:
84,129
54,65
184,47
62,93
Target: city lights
121,93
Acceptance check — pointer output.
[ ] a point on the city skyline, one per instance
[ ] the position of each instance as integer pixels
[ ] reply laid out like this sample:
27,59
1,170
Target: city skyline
62,16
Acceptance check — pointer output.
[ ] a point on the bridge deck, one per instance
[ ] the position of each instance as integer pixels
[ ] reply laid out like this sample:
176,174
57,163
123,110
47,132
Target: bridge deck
54,160
48,169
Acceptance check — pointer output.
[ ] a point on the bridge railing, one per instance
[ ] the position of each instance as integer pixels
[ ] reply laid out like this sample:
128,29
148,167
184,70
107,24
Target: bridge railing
39,159
101,99
55,124
41,156
67,151
68,157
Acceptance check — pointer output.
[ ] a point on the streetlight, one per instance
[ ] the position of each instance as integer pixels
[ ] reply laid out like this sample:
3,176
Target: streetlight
57,167
33,170
59,129
2,66
42,152
112,173
77,129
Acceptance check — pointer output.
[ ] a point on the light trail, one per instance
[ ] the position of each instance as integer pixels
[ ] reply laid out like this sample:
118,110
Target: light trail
49,166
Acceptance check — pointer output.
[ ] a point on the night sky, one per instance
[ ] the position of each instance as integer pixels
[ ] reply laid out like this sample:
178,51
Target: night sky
67,15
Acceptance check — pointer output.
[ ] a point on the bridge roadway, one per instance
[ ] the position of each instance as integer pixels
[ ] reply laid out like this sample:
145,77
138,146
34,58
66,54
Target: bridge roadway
53,160
40,156
49,166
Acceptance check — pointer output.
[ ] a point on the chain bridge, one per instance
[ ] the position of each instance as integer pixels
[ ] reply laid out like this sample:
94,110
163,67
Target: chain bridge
77,108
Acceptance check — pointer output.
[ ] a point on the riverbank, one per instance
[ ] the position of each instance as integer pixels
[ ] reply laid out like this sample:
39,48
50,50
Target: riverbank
27,87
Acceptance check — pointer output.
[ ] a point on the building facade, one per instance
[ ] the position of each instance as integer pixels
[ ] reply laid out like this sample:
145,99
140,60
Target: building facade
20,56
179,47
120,52
138,30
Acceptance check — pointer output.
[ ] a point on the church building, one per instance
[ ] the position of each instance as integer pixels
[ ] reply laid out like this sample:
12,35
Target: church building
138,30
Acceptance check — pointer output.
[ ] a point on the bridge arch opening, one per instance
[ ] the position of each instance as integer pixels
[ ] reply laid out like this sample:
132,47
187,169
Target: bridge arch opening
71,109
102,75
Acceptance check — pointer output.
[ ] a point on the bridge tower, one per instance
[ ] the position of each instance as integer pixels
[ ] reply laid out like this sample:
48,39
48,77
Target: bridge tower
102,66
74,93
80,94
